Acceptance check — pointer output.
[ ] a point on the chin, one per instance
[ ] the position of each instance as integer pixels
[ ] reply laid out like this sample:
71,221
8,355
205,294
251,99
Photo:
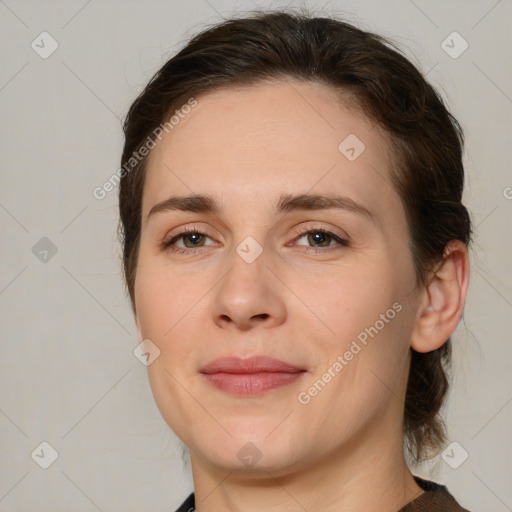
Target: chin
248,457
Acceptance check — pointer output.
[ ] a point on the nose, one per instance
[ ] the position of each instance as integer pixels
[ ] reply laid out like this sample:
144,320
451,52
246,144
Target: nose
248,296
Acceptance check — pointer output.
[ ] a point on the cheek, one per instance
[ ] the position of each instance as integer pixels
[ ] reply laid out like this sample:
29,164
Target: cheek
166,310
366,322
162,300
349,299
171,313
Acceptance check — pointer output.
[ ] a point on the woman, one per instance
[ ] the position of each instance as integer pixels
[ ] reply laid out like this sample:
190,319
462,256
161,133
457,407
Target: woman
296,253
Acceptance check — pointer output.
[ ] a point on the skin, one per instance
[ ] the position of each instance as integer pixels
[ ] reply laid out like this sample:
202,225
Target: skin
343,449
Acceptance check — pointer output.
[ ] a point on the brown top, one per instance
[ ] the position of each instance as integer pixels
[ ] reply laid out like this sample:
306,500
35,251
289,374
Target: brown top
436,498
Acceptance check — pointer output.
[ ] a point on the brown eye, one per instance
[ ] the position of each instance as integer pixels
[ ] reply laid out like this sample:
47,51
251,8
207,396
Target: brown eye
190,239
194,238
321,238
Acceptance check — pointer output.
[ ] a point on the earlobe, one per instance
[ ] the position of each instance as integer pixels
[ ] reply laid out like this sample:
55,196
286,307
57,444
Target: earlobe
443,299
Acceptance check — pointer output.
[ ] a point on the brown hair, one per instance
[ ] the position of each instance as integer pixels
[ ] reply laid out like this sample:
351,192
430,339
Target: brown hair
426,139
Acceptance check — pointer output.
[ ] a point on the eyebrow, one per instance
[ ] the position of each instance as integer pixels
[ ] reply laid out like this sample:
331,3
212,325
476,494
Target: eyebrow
201,203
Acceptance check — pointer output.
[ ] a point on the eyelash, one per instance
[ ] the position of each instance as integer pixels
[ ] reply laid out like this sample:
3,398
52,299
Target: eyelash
168,244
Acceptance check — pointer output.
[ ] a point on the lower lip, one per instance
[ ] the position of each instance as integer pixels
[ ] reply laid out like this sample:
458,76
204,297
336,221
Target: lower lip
251,384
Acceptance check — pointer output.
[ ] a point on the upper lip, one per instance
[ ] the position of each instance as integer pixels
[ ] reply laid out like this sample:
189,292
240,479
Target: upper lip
255,364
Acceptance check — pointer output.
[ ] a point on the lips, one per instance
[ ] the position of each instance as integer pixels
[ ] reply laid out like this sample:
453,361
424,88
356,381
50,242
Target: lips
255,364
248,377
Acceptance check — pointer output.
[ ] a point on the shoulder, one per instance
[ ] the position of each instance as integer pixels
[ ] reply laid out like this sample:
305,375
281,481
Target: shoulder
436,498
189,505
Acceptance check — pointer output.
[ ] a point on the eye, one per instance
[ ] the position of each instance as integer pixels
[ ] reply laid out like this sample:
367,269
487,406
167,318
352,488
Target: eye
192,238
323,237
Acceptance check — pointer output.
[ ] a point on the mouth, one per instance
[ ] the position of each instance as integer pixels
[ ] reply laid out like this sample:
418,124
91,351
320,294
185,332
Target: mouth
250,377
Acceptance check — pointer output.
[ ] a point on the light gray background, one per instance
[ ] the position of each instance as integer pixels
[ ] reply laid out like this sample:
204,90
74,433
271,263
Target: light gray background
67,372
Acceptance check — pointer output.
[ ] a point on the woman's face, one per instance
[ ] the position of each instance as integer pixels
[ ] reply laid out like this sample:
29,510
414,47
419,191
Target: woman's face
259,280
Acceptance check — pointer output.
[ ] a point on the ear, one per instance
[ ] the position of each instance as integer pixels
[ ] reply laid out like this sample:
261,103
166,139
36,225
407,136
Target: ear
443,299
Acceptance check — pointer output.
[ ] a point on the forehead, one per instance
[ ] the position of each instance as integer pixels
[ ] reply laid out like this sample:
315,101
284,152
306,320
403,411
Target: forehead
250,145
